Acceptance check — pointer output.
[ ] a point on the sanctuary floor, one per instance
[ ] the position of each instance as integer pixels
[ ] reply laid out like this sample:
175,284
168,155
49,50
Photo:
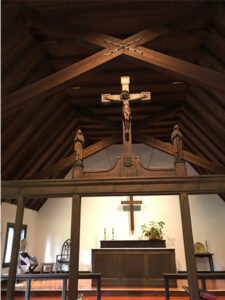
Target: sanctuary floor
39,289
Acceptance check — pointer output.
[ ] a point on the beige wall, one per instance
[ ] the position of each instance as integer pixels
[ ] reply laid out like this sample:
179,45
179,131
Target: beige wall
52,222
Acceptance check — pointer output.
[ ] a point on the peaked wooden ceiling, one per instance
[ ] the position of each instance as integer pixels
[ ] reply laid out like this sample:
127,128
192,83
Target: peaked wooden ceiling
58,57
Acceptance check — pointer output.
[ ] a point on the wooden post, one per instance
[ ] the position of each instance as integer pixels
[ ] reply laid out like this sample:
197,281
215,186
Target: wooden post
74,247
189,247
176,138
15,249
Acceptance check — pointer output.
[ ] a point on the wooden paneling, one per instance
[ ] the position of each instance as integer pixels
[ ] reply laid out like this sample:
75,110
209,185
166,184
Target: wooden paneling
133,267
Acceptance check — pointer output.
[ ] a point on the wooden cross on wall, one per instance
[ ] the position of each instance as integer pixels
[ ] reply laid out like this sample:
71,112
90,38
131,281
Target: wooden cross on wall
125,97
131,202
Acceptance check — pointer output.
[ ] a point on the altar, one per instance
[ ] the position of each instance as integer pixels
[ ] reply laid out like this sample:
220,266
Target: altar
133,266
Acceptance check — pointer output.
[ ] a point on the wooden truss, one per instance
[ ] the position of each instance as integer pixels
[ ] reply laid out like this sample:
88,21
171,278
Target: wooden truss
123,181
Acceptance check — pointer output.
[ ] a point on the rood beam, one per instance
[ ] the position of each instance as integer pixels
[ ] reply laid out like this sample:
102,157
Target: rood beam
202,184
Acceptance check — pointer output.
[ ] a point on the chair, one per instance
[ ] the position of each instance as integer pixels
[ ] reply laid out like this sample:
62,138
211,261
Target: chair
63,259
26,263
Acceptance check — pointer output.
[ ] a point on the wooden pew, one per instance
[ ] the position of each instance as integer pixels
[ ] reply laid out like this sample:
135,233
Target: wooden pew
64,277
183,275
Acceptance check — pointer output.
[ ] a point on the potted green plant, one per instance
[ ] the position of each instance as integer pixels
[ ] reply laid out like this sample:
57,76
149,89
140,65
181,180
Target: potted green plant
153,230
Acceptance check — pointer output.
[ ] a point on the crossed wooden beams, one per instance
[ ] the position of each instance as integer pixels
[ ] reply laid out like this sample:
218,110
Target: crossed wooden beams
115,47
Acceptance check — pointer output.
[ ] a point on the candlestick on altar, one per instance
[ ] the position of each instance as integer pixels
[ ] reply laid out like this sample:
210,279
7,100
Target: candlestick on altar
206,247
112,233
104,233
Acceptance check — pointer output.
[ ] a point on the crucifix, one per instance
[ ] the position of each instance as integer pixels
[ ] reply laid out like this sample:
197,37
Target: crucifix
125,97
131,202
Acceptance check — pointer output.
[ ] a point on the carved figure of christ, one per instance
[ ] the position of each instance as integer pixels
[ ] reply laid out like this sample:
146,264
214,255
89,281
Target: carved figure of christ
131,202
125,97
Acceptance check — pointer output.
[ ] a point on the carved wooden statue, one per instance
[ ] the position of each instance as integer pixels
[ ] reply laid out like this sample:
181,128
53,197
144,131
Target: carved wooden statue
176,138
78,146
126,112
125,97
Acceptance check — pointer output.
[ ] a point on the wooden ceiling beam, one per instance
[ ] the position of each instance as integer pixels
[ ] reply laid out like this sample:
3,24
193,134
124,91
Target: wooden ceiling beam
157,99
160,88
100,39
55,81
60,111
97,118
209,61
197,111
68,128
212,121
23,66
185,70
208,102
16,52
179,41
13,128
203,133
46,145
38,119
216,45
68,162
189,157
164,112
197,139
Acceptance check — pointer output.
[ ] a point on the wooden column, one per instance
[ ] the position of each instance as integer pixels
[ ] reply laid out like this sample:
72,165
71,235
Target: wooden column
185,217
15,249
189,247
74,247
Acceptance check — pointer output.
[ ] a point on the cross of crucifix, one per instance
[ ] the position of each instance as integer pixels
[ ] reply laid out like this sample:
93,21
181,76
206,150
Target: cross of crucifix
131,202
125,97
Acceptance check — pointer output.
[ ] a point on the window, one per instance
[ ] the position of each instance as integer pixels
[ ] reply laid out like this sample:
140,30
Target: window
9,242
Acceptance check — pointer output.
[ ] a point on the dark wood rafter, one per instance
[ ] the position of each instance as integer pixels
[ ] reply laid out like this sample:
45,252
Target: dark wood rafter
189,157
215,44
68,127
48,143
162,62
56,81
204,136
20,70
48,126
68,161
197,138
214,124
26,135
185,70
164,112
212,106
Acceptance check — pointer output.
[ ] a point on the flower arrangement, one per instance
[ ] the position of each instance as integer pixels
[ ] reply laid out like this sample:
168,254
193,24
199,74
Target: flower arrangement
153,230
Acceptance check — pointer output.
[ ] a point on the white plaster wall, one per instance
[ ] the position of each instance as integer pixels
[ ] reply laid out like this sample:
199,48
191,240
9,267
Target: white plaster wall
106,212
8,215
208,222
53,219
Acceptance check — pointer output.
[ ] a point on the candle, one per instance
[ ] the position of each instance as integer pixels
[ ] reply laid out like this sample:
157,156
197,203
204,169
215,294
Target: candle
112,233
104,233
206,247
